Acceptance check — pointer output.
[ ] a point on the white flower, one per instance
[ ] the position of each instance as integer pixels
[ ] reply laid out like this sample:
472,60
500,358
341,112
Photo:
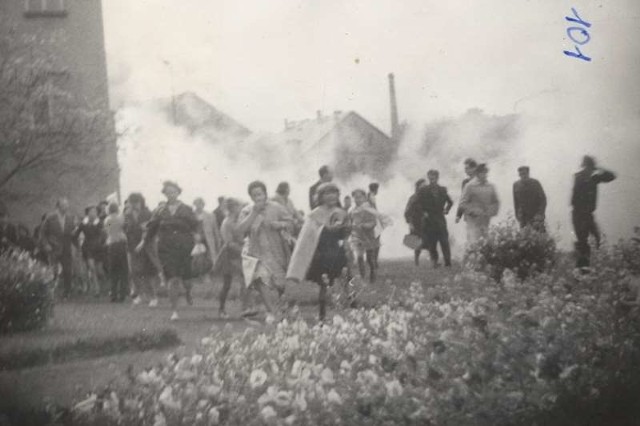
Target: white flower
268,413
274,367
300,401
327,376
293,342
258,378
269,395
373,360
394,388
333,397
283,398
86,405
212,390
344,365
295,369
166,399
337,320
290,420
410,349
214,416
196,359
270,319
159,420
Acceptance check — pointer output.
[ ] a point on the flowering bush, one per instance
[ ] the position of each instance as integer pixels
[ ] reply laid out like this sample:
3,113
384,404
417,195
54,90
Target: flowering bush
26,295
465,351
507,246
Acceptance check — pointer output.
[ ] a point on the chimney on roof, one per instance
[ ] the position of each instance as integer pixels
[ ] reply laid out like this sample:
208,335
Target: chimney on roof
319,116
395,126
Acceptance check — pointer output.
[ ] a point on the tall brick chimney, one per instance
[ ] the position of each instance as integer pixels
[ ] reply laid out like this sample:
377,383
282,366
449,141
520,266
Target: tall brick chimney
395,125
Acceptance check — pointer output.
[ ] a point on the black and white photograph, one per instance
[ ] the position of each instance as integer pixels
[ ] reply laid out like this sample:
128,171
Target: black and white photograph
337,212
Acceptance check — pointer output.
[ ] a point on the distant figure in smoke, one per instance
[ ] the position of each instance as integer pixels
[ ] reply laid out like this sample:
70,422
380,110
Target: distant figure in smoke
266,252
229,262
282,197
118,264
325,176
141,268
175,224
219,212
56,236
413,216
319,255
480,203
529,201
470,169
374,187
91,229
363,241
434,203
208,231
583,201
371,199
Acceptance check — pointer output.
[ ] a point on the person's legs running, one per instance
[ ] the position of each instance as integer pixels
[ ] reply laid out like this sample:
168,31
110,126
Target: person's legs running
371,260
226,286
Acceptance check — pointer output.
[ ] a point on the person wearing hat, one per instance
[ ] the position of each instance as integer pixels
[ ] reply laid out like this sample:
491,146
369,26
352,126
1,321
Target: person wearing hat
479,203
434,204
529,200
174,224
584,200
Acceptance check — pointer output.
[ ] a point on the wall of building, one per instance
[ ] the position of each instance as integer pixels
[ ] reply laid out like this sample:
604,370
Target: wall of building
77,43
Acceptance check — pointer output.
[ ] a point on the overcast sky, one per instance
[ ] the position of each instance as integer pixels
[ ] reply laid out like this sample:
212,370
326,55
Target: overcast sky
262,61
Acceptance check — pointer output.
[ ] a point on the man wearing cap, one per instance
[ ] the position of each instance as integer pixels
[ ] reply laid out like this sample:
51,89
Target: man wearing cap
529,201
434,203
479,203
584,200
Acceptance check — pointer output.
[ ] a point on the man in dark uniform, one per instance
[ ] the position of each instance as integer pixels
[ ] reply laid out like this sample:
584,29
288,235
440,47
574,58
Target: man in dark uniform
435,203
583,201
413,216
470,169
529,201
325,176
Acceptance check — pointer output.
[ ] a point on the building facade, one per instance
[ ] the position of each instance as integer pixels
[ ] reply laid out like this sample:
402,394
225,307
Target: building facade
70,32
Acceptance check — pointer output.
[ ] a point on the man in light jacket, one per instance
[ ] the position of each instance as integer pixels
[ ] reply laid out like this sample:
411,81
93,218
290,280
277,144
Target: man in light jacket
479,203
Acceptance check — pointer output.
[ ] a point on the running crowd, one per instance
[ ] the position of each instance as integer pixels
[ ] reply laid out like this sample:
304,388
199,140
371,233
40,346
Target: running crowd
267,242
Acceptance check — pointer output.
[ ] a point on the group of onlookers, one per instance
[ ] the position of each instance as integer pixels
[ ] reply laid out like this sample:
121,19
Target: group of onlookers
427,207
268,242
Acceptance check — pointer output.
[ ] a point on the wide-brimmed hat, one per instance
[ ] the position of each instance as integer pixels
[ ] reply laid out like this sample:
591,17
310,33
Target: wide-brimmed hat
169,183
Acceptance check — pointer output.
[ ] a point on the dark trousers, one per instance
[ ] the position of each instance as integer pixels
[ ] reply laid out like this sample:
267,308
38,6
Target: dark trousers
436,232
118,270
64,260
584,225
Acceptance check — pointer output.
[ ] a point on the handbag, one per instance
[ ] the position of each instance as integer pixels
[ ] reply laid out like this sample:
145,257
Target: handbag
412,241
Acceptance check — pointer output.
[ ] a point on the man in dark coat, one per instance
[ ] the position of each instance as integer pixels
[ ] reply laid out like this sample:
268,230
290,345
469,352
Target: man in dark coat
584,201
470,169
413,216
434,203
529,201
325,176
56,236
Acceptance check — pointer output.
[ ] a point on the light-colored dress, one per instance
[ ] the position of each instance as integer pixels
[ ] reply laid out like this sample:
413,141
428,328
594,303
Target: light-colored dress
364,220
266,252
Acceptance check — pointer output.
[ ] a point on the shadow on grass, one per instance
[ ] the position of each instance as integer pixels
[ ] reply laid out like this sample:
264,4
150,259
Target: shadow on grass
86,348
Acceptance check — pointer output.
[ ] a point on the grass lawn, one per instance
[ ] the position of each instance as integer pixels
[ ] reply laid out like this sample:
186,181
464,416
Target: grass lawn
64,382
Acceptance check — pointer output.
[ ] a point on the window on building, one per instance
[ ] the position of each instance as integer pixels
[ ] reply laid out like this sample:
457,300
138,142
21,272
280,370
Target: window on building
50,101
34,8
